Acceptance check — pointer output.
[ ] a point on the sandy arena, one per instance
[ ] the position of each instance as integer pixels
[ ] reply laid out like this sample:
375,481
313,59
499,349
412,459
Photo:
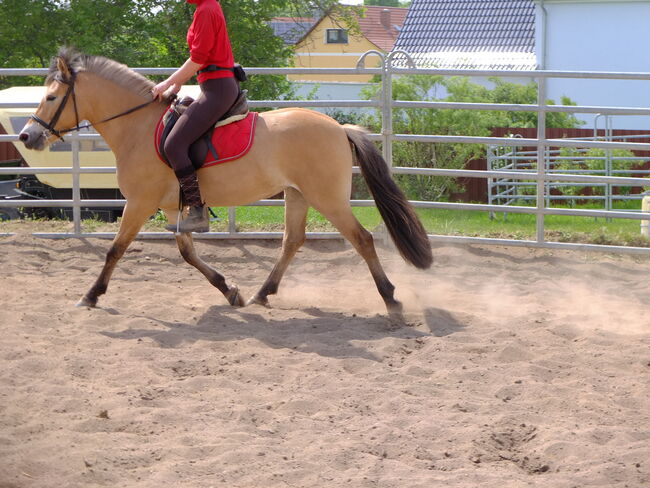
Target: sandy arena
517,368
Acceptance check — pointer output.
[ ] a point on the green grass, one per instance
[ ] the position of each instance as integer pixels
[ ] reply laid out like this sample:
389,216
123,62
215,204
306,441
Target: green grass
523,226
624,232
272,218
466,223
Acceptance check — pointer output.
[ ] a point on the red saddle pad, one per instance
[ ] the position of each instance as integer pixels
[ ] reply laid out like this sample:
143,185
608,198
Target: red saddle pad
232,141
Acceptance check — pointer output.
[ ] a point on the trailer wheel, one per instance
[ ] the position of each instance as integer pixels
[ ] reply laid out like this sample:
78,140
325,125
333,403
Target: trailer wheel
9,214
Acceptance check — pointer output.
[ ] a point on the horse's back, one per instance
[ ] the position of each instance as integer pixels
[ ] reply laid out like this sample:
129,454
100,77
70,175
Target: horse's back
293,147
300,133
313,152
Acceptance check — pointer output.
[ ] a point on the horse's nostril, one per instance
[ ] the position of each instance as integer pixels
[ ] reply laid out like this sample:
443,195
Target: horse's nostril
24,136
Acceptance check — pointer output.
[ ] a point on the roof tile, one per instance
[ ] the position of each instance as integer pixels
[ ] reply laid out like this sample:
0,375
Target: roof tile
290,29
381,25
500,33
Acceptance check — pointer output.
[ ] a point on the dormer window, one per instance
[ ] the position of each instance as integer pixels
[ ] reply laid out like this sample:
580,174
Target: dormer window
336,36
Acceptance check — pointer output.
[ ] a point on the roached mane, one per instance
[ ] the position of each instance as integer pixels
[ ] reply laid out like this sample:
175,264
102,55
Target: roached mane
103,67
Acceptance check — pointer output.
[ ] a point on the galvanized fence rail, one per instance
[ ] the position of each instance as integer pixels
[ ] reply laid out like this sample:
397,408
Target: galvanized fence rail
505,191
541,177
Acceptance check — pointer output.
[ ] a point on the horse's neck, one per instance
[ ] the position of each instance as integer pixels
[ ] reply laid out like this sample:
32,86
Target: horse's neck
104,99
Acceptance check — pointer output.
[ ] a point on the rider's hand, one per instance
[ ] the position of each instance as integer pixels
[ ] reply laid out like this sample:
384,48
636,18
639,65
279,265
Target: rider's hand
161,88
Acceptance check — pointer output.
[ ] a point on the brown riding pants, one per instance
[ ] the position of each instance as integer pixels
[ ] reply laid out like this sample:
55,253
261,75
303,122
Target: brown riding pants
217,96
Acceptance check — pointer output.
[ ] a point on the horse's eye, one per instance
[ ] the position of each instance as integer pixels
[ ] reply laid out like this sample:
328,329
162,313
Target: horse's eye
50,98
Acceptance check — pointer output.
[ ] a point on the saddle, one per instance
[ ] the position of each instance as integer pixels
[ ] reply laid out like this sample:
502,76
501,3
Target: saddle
200,148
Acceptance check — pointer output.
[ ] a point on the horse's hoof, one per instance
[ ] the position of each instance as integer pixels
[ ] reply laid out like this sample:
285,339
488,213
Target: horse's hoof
86,302
396,313
255,300
234,297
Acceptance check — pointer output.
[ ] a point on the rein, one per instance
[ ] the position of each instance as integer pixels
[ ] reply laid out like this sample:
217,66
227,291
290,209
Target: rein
49,126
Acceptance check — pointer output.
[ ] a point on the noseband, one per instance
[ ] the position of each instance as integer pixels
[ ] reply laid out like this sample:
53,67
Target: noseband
49,126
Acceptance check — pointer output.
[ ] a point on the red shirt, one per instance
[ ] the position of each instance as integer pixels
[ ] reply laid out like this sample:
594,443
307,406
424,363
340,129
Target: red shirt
208,39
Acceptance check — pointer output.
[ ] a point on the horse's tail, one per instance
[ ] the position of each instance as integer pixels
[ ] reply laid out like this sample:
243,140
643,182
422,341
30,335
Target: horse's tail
403,224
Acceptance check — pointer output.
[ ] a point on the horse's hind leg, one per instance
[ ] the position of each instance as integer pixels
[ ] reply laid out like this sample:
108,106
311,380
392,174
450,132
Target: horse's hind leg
362,240
186,247
295,218
132,219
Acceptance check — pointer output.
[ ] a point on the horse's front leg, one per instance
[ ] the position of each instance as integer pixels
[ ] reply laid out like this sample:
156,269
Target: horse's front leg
295,220
133,218
186,247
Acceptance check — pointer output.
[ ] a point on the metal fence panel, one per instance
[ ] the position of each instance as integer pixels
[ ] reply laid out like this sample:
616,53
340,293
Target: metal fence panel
540,178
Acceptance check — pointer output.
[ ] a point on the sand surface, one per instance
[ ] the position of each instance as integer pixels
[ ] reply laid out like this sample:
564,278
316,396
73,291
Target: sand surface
516,368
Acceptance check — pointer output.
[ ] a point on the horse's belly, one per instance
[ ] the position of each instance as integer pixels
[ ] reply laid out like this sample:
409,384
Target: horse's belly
240,182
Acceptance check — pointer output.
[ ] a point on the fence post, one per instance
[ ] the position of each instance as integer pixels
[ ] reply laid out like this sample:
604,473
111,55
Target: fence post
609,136
76,184
387,102
386,114
232,220
541,157
386,120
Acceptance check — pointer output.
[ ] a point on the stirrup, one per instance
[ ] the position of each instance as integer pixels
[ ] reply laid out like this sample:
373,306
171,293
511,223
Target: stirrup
196,221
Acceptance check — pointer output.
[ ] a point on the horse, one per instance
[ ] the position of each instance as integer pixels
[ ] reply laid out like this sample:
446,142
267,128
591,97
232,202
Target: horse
303,153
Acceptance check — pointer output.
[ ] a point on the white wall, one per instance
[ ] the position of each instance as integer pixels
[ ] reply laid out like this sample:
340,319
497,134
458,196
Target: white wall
352,91
606,35
331,91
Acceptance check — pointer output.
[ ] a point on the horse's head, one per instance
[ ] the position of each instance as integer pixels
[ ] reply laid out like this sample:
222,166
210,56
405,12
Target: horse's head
57,112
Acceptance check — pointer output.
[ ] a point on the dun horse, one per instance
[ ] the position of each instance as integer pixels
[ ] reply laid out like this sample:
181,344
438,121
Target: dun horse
304,153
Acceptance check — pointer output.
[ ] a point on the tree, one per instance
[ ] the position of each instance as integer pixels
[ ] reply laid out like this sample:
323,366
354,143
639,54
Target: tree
23,36
253,41
147,33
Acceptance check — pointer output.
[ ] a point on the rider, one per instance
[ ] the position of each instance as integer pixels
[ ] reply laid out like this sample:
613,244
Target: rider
210,52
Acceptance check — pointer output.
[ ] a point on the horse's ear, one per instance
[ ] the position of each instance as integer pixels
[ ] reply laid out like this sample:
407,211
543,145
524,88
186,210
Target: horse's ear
63,68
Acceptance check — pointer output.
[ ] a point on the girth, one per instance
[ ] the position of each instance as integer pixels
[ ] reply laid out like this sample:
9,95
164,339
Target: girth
199,149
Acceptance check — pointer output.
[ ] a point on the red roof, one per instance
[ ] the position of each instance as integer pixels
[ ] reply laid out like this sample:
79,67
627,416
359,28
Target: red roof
380,25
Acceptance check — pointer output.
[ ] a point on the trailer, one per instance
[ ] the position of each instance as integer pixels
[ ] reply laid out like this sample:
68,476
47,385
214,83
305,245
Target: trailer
59,154
16,106
9,190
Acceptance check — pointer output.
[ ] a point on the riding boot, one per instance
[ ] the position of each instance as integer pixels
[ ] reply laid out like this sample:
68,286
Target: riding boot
196,219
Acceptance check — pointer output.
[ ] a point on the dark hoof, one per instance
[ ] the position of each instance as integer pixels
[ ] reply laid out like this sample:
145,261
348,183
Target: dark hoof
86,302
396,312
234,297
255,300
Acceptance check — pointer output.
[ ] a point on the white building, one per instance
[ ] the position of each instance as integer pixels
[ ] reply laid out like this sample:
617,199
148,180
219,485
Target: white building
563,35
596,35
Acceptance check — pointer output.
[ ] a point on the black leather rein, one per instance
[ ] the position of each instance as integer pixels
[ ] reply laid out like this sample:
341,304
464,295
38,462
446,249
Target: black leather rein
49,126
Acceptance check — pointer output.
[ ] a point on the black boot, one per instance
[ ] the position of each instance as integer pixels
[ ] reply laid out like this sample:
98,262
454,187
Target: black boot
196,219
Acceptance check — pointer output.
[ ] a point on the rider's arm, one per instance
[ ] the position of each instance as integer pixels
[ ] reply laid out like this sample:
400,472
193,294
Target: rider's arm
176,80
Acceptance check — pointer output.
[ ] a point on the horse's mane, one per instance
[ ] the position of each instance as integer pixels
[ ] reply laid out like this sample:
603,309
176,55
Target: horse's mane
103,67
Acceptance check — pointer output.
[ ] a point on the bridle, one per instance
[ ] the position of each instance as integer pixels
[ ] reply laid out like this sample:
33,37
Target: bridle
49,126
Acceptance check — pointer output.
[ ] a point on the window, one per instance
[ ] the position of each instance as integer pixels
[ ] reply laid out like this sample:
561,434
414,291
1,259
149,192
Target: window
337,36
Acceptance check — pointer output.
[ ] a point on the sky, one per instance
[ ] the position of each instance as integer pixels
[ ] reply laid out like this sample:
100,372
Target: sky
352,2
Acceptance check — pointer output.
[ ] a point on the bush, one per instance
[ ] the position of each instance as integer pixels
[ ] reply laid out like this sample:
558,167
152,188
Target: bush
453,122
595,161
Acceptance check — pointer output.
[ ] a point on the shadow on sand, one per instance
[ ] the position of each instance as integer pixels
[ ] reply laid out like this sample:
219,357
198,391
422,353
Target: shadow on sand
316,331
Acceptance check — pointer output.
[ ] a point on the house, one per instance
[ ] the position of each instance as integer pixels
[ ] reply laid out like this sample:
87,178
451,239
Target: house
329,45
291,29
470,34
562,35
596,35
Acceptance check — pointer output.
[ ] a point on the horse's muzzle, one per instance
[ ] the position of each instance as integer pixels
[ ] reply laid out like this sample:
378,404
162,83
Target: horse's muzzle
33,137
